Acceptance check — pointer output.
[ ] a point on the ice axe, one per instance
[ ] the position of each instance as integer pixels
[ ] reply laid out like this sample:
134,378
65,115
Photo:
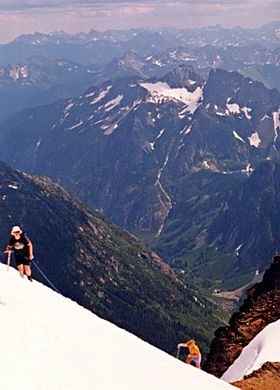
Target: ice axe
8,261
178,352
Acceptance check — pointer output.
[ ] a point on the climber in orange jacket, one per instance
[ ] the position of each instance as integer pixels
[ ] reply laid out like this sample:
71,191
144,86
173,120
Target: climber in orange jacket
194,352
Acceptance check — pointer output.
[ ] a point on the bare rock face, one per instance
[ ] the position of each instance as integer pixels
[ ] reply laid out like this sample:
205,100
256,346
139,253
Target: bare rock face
261,307
267,377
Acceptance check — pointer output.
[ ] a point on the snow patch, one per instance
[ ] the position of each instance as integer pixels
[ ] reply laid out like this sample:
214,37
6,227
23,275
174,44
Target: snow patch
90,94
160,133
246,111
276,122
237,250
265,117
248,170
219,113
113,103
233,108
161,90
101,95
255,140
38,143
157,63
206,165
276,119
109,129
186,130
238,136
75,126
69,106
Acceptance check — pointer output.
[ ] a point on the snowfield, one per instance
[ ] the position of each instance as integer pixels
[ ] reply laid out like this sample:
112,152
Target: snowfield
265,347
51,343
160,90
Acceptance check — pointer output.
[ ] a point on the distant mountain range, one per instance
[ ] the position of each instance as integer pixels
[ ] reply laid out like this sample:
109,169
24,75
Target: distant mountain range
39,81
39,68
171,159
38,77
101,47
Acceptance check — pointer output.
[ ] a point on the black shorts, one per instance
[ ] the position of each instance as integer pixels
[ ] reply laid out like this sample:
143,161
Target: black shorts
22,260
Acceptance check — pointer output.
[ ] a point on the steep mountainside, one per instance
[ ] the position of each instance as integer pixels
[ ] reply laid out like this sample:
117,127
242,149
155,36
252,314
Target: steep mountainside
231,226
261,308
105,269
267,74
249,223
38,81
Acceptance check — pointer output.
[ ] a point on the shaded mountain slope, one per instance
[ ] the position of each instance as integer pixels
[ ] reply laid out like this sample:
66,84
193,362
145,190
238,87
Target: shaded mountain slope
250,221
38,81
235,228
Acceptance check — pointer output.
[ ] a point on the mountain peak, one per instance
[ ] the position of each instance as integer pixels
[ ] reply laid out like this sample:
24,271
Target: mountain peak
183,76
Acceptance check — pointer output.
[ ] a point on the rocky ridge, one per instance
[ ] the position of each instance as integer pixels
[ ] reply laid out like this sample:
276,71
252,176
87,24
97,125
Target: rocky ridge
261,308
267,377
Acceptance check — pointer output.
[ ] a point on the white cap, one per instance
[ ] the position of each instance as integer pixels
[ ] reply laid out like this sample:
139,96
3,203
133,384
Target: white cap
16,229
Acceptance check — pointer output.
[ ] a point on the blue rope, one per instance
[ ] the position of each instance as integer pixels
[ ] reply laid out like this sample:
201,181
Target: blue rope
47,279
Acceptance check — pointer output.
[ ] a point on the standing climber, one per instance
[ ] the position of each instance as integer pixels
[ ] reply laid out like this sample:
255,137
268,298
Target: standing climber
194,352
22,247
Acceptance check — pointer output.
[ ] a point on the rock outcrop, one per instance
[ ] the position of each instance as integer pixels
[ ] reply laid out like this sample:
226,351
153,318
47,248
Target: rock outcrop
261,307
267,377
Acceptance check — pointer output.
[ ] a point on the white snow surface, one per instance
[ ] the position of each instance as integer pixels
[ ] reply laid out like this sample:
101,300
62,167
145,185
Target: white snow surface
51,343
160,90
113,103
233,108
247,111
276,119
237,136
101,95
265,347
75,126
255,140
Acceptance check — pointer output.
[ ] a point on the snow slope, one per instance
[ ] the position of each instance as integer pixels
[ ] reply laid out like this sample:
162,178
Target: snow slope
49,342
265,347
160,90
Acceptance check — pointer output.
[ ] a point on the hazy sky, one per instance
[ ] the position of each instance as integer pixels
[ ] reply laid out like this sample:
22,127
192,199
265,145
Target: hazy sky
26,16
